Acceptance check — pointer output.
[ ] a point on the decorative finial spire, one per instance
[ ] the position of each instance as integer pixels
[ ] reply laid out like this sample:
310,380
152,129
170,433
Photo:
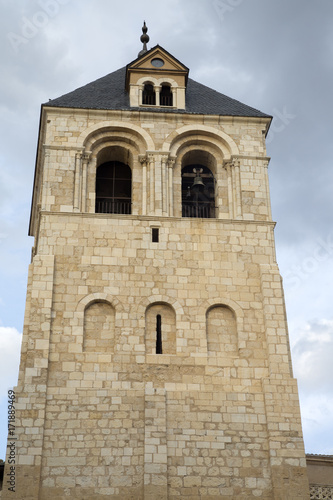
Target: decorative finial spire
144,39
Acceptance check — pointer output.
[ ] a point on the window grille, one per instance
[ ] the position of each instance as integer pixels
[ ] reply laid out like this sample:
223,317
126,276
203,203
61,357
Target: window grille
166,96
113,188
148,95
318,492
198,192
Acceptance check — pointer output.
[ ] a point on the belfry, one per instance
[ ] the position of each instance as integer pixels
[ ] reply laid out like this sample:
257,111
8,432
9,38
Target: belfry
155,361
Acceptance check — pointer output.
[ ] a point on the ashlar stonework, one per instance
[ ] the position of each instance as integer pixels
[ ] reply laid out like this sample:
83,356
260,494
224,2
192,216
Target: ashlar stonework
155,359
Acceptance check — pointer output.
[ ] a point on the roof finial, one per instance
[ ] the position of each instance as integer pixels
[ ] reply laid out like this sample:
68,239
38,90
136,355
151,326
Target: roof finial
144,39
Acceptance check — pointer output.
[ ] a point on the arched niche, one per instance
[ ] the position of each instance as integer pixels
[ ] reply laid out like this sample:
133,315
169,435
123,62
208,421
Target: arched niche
99,327
221,330
160,329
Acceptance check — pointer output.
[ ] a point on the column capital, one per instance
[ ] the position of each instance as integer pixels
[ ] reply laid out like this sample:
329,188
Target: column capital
231,163
142,159
86,156
165,158
46,150
172,161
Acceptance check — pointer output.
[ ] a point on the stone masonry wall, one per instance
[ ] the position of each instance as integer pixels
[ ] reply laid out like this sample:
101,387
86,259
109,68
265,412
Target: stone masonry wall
99,413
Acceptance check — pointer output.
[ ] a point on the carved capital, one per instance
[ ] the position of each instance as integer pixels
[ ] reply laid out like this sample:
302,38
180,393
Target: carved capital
232,163
47,152
86,156
143,159
227,164
172,161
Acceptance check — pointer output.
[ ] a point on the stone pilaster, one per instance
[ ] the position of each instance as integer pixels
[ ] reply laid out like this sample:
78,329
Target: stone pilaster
156,457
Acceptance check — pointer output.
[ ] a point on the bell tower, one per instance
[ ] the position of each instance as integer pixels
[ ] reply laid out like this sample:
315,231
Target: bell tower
155,360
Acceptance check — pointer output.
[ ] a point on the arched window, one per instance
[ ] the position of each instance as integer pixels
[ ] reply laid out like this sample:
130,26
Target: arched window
113,188
166,95
198,192
160,333
148,95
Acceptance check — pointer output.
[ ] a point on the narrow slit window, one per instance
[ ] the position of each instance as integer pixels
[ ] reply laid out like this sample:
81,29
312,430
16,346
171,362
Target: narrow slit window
155,235
158,334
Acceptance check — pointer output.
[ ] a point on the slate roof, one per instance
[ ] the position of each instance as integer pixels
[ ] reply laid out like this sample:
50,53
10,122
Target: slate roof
109,93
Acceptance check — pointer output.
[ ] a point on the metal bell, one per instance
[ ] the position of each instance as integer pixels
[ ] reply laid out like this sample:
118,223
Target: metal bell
198,182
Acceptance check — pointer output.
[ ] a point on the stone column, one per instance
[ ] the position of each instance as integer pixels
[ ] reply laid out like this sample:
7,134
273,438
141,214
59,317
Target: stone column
165,190
174,97
238,190
140,94
151,184
77,182
91,179
143,161
171,165
157,94
234,188
158,185
85,161
227,166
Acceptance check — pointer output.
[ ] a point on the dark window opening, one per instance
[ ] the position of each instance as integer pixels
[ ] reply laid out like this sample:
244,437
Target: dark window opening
155,235
148,95
166,96
158,334
198,192
113,188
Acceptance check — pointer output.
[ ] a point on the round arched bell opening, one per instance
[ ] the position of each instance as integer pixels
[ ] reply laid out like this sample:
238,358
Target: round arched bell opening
198,192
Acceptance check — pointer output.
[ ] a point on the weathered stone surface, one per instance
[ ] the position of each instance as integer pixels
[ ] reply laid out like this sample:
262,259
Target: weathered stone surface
99,413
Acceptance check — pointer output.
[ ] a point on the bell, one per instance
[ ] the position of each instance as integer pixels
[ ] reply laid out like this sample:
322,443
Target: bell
198,182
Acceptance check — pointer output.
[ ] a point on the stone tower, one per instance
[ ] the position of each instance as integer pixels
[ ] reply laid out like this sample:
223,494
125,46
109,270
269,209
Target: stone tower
155,360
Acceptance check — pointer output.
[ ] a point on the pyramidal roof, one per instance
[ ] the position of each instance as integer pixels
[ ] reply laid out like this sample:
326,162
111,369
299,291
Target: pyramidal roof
109,93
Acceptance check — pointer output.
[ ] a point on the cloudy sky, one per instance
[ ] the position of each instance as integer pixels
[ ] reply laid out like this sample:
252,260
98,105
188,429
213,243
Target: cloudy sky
276,56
